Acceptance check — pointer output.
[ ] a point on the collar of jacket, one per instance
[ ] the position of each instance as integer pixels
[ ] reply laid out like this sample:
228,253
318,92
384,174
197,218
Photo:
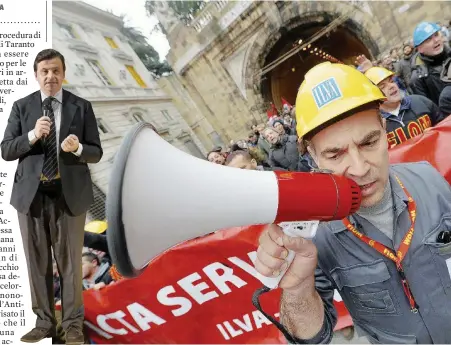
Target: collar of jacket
405,105
398,193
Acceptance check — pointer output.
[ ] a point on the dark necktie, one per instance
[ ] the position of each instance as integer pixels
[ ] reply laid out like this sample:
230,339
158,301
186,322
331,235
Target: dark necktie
50,168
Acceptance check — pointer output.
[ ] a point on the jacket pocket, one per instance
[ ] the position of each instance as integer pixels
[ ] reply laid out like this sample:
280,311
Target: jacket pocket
385,337
366,288
19,172
441,252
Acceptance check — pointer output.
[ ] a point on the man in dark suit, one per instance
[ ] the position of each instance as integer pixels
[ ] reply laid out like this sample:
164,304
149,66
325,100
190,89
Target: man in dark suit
52,191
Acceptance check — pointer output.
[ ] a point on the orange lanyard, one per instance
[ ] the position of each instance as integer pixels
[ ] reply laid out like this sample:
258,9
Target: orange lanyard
402,250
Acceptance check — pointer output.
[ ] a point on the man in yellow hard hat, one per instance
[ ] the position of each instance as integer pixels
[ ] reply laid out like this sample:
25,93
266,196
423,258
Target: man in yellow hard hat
406,116
390,261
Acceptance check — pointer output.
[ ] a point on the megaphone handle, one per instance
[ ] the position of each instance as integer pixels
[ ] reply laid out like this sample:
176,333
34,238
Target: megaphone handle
293,229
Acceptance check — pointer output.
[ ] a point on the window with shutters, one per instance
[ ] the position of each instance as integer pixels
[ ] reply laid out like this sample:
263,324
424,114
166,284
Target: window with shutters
100,72
111,42
103,128
166,115
138,117
68,31
135,75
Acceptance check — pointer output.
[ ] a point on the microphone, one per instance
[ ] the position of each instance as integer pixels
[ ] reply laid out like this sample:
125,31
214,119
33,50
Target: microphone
46,112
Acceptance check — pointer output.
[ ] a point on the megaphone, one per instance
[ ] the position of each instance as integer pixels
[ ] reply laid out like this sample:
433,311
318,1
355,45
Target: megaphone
160,196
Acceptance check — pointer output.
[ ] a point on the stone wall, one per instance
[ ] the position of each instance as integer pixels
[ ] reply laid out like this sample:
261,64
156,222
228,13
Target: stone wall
221,77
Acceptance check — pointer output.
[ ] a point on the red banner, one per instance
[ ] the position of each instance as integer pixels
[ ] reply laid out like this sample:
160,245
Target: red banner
200,291
433,146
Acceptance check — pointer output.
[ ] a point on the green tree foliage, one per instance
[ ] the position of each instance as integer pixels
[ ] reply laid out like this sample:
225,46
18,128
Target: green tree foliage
183,10
146,53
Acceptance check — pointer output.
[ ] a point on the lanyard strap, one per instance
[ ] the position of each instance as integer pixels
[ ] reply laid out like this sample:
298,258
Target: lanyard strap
403,247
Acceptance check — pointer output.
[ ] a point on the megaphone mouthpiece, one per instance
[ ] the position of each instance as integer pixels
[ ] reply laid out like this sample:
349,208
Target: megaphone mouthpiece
315,196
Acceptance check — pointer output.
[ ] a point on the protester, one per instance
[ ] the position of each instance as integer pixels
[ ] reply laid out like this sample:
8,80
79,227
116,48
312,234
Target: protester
216,156
281,128
52,191
404,66
262,143
387,260
96,275
243,160
252,139
406,116
284,152
364,64
427,65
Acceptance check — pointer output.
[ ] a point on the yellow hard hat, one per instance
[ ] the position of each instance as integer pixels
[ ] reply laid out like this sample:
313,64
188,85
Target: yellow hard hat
377,74
330,90
96,226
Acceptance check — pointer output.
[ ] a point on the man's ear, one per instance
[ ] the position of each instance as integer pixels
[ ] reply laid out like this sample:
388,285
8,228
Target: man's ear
254,163
420,49
384,123
311,151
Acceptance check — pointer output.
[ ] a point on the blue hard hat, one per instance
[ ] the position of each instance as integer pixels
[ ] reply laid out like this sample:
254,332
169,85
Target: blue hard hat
423,31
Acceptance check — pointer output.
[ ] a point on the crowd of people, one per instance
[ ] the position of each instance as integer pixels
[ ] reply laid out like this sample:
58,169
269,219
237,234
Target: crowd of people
414,77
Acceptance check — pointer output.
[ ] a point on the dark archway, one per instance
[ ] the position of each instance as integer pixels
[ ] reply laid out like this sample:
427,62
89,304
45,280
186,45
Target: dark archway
344,43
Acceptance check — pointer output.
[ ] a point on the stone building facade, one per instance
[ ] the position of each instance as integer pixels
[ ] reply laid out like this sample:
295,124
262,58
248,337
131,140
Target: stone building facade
102,67
220,56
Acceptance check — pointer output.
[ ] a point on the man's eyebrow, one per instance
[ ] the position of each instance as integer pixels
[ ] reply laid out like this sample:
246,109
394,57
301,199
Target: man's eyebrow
370,136
331,150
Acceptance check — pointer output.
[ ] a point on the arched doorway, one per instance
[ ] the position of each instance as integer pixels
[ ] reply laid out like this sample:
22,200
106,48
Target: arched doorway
285,79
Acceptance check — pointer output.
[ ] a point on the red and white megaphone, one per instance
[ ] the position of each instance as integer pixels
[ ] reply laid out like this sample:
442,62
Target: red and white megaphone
160,196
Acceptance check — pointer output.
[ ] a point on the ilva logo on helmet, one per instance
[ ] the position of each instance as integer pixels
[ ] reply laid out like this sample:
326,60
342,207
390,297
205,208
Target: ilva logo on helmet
326,92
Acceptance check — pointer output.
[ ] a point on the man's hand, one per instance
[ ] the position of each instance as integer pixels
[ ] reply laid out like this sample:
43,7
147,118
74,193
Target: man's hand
42,127
364,63
273,250
70,144
99,286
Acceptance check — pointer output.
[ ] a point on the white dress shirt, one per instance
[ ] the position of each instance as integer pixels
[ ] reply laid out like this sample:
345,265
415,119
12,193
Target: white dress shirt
57,106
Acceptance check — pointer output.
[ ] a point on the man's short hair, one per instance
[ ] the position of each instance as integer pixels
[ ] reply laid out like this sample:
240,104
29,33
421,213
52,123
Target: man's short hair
91,257
238,153
48,54
269,128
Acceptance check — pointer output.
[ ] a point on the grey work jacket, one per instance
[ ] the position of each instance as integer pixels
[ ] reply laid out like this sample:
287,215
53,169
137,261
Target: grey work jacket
369,283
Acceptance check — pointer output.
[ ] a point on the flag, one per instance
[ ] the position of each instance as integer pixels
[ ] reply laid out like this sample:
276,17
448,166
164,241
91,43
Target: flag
284,101
272,112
